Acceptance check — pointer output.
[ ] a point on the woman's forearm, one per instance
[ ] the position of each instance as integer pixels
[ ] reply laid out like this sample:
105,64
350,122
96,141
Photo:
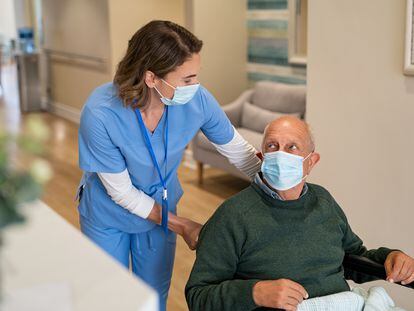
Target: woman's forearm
122,192
241,154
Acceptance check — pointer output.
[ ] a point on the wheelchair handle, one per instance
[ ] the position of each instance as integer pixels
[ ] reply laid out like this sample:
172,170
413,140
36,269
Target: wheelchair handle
361,269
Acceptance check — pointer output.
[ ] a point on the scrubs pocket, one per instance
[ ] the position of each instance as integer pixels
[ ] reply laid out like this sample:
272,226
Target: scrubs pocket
81,185
79,193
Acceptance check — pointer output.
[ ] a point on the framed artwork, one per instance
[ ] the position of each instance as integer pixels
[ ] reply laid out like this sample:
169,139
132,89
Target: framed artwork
409,40
298,29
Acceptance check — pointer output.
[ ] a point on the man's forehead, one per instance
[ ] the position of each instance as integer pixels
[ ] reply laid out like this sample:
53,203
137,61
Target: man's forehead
284,136
287,131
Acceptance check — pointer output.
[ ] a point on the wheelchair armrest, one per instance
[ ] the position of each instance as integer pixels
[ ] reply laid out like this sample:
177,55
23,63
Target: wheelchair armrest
361,269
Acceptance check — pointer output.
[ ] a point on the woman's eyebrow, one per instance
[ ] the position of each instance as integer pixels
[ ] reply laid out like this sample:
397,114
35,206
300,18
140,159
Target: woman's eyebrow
190,76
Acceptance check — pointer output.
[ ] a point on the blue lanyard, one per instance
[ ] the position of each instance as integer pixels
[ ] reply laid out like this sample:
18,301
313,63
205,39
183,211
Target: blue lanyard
164,216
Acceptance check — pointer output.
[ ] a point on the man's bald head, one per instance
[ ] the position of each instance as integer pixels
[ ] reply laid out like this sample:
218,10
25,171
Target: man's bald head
289,134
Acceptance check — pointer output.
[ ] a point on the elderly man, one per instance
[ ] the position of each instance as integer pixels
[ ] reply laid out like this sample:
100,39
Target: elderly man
281,240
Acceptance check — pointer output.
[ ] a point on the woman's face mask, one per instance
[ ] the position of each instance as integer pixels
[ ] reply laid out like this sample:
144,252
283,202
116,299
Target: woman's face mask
182,94
283,170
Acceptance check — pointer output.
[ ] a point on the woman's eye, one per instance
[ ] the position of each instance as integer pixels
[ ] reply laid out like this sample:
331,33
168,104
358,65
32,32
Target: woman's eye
187,81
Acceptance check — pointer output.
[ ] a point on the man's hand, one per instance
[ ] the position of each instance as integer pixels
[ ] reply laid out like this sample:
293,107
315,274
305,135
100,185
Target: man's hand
190,232
399,268
283,294
185,227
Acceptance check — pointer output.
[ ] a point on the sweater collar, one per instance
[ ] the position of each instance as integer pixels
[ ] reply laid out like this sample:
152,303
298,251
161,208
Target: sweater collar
270,192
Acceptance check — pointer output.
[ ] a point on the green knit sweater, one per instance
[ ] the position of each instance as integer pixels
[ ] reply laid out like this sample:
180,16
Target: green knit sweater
253,237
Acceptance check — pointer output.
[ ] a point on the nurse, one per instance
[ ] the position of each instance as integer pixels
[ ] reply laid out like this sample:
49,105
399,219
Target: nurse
132,136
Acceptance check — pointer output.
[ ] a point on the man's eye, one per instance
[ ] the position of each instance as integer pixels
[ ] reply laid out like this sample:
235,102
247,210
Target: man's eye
271,146
293,147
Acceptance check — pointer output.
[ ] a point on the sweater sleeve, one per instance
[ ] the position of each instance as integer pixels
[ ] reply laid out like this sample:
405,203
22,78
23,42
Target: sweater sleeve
353,245
212,284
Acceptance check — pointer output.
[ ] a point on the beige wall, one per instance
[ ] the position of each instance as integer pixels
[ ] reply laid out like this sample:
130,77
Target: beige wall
222,27
71,84
72,79
223,56
361,107
224,52
127,16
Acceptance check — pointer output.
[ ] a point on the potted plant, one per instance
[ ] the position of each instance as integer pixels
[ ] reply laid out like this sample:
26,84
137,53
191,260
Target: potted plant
21,185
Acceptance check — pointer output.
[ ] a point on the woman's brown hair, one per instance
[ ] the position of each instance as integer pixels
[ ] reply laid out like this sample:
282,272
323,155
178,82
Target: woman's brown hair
160,47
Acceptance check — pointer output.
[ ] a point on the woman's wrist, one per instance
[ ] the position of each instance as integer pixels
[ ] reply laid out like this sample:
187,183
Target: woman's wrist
155,214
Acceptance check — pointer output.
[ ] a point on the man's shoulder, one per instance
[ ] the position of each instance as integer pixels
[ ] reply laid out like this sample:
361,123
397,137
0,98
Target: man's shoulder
323,195
240,203
320,191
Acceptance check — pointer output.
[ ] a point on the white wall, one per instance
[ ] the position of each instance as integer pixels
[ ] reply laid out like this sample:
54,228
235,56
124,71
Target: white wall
23,13
7,19
222,27
361,108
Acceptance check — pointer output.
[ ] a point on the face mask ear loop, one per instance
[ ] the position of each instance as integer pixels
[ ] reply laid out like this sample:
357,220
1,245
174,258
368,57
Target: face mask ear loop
168,84
308,155
159,93
304,177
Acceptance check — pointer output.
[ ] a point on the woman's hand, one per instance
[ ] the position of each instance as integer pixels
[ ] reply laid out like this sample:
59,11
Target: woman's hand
190,232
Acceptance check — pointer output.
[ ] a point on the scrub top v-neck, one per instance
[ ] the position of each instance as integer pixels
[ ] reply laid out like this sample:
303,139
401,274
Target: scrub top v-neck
110,141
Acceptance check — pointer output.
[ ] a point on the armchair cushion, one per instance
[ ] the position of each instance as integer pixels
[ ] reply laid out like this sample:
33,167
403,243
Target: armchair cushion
255,118
234,109
280,97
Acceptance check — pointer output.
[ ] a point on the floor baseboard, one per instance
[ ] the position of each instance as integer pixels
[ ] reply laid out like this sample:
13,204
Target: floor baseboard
67,112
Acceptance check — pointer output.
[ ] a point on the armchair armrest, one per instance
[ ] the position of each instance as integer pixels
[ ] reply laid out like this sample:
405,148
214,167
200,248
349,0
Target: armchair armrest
361,269
234,109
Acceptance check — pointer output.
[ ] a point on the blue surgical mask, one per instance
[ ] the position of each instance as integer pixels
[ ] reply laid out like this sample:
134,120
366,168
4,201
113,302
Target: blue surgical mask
283,170
182,94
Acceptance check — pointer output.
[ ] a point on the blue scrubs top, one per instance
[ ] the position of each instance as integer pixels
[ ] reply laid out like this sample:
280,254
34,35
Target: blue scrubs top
110,141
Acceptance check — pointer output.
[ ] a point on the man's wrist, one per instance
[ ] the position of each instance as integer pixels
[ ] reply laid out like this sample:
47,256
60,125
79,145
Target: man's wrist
176,224
256,293
393,253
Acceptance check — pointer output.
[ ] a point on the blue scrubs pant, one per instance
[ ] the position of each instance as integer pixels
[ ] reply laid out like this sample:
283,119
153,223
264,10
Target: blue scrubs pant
152,253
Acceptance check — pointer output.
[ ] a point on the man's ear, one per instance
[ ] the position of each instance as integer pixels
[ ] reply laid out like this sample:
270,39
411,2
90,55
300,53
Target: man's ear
149,78
313,159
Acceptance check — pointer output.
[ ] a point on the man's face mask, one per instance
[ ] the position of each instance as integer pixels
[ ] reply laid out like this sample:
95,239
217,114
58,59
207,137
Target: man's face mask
182,94
283,170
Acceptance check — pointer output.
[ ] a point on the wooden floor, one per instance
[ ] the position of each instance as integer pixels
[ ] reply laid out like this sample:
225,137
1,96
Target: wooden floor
198,202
